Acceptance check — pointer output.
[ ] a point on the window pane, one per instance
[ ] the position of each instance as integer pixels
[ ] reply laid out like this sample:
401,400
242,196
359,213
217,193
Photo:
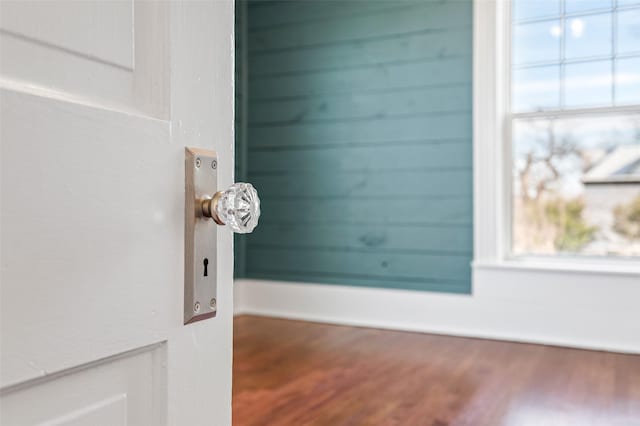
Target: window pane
536,89
528,9
576,185
629,31
573,6
537,42
628,81
628,2
588,84
588,36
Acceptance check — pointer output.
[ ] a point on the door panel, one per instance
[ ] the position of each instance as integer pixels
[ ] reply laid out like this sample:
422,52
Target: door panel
111,27
111,53
90,210
92,137
117,391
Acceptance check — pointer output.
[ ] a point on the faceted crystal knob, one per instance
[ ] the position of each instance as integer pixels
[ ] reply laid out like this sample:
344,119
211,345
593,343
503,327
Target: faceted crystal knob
238,207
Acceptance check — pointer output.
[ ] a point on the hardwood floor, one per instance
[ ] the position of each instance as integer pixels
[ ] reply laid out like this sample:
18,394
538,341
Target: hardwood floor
301,373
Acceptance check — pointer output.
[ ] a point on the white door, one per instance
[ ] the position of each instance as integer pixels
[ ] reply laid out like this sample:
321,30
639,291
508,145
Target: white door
99,100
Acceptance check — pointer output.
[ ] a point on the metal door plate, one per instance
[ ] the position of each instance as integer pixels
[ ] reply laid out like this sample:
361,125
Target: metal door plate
200,235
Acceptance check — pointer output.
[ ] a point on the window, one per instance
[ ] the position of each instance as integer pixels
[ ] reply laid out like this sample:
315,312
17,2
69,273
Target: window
574,123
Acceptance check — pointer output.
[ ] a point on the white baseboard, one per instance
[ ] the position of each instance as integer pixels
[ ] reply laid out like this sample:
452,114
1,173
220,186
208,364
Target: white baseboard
582,310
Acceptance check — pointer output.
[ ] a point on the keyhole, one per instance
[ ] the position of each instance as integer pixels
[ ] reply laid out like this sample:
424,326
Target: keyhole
206,264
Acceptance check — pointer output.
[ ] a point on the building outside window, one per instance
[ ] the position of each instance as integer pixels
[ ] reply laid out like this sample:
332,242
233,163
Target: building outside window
574,122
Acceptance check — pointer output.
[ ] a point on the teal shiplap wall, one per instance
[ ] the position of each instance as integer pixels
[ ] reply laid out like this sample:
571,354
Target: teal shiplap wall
359,142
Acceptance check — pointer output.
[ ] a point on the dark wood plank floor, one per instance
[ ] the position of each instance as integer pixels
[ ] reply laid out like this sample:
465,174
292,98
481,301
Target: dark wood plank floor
301,373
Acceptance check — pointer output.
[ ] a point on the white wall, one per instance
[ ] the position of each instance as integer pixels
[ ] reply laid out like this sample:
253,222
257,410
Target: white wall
567,308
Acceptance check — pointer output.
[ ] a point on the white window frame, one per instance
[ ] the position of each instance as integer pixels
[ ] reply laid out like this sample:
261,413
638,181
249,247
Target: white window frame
492,158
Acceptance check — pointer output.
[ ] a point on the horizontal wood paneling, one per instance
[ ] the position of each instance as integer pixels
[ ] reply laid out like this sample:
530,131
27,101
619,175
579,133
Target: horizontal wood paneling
392,212
397,75
413,46
372,105
408,266
397,22
283,13
419,156
388,184
359,142
365,237
390,130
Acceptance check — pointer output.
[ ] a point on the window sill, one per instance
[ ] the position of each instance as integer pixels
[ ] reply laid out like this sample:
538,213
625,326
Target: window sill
619,267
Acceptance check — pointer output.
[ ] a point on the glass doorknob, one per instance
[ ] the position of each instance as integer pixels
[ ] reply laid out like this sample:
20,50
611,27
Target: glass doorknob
237,207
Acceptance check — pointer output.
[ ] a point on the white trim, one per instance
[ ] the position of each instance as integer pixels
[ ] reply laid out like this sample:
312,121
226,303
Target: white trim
576,112
553,308
490,101
573,265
